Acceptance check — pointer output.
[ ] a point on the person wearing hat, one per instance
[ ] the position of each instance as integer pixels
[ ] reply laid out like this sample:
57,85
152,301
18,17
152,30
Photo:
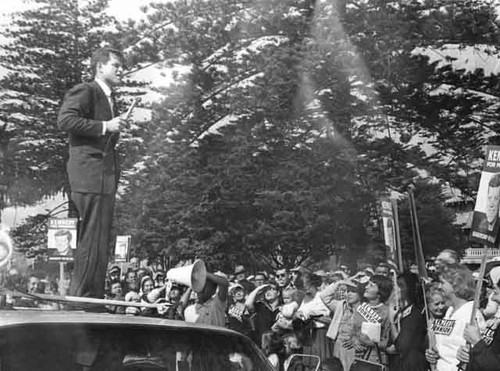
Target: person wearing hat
238,317
345,269
485,352
114,273
240,277
341,326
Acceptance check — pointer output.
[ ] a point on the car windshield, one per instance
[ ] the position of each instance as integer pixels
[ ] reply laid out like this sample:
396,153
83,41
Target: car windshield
92,347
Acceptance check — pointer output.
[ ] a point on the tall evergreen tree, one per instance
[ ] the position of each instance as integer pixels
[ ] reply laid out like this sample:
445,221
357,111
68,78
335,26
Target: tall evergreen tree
47,53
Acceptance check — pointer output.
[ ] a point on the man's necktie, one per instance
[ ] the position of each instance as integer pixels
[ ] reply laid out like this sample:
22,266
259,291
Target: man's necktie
113,103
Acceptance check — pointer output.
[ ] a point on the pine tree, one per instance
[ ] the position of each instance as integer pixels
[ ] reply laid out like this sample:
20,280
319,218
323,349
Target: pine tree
48,50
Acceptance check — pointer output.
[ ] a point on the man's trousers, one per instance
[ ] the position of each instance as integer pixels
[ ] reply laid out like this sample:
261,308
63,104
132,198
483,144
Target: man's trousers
92,251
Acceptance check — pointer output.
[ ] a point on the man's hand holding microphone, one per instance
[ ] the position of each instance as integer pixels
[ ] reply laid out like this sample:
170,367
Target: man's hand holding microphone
117,123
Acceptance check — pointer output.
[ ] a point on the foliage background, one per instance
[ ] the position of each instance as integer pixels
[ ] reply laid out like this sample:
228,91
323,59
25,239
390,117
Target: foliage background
293,119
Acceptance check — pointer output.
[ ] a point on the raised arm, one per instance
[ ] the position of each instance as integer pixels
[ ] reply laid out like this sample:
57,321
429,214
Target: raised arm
222,284
250,300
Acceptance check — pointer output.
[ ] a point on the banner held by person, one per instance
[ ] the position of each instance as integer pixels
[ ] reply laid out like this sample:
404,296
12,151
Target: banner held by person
388,223
122,248
61,238
485,221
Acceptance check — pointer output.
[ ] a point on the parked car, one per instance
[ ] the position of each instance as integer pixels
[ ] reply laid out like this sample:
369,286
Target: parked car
80,341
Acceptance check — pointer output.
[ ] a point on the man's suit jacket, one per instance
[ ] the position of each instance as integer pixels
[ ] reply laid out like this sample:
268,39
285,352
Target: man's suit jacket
93,161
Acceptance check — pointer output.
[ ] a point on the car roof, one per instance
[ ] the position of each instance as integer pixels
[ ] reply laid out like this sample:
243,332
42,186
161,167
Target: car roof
12,318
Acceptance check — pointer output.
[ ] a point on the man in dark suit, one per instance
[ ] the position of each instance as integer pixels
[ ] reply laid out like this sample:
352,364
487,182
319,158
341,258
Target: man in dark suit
93,129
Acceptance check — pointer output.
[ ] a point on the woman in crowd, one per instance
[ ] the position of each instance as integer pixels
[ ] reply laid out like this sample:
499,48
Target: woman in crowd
147,286
237,316
458,286
436,301
374,313
340,329
408,326
314,318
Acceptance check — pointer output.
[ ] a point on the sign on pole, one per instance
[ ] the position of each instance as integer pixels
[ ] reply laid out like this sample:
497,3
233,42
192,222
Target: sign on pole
485,221
61,238
122,248
389,228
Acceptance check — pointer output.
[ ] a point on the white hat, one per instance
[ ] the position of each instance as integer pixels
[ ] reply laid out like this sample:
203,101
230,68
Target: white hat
495,275
235,286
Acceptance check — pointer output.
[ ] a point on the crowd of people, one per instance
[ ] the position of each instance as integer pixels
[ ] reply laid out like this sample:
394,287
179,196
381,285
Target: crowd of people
375,314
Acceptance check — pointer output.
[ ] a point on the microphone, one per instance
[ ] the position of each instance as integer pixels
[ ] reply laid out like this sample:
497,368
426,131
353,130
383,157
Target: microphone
131,108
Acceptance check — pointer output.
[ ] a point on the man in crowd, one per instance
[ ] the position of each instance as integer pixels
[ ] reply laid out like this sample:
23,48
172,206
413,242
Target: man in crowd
35,286
114,274
485,352
211,306
260,278
87,115
131,282
241,278
283,278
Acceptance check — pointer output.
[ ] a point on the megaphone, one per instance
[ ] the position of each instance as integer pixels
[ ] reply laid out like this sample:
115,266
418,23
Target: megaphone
194,275
5,248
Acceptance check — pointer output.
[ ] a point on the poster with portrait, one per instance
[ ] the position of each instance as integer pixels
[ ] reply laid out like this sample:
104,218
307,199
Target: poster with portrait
485,220
389,228
122,248
61,238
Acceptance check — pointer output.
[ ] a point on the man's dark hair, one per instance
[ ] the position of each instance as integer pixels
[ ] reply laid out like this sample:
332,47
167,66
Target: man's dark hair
494,181
103,55
384,285
63,232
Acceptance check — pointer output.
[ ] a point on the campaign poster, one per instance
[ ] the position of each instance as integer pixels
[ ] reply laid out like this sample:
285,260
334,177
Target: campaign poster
61,241
485,220
122,248
389,228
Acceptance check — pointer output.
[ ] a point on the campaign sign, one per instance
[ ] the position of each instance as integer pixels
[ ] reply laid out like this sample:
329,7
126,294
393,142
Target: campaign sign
368,313
61,238
485,221
388,227
122,248
442,326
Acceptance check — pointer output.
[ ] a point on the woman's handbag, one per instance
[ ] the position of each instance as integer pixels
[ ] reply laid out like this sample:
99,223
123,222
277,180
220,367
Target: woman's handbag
362,364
